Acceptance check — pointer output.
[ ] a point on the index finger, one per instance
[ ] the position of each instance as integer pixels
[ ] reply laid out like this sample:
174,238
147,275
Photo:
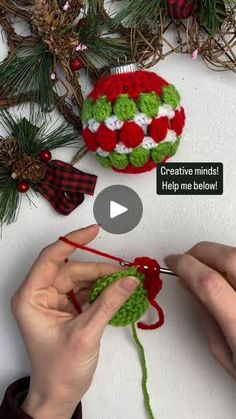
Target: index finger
44,270
218,256
210,287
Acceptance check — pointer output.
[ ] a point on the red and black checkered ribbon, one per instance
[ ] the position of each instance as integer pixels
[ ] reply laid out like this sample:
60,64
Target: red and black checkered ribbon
64,186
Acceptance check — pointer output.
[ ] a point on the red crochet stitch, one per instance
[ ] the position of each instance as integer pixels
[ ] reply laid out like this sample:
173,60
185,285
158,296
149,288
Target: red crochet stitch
131,134
158,128
90,139
117,84
178,122
106,138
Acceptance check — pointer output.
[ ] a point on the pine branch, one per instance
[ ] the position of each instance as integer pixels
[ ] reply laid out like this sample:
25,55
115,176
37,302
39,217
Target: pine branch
212,14
34,135
28,70
9,199
139,13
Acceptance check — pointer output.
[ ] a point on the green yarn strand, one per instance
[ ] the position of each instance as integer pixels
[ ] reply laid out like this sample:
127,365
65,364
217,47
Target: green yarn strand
144,372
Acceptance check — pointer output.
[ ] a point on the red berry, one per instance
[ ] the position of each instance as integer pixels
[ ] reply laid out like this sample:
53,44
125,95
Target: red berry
23,186
45,156
76,64
131,134
158,128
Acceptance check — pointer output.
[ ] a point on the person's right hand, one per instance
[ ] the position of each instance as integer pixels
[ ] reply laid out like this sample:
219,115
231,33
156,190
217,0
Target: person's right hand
208,270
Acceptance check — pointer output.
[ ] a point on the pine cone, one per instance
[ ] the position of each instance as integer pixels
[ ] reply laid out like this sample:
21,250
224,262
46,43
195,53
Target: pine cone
29,168
10,152
46,16
50,21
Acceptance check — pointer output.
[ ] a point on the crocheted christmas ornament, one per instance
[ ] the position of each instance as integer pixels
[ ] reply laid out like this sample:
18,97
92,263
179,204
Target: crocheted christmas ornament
148,272
132,120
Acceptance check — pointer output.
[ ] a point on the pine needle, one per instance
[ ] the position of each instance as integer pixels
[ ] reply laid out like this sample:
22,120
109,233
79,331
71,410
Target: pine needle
138,13
9,199
29,70
34,135
212,14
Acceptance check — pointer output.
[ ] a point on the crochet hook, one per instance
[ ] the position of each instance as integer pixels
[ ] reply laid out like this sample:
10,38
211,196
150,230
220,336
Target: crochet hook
164,271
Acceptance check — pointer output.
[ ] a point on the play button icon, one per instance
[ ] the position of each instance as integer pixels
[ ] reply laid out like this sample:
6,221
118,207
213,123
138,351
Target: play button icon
118,209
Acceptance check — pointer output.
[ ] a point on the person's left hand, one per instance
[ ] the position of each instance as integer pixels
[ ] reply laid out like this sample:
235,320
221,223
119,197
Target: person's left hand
63,347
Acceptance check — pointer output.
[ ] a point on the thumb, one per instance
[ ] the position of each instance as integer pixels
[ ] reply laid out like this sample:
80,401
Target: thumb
109,302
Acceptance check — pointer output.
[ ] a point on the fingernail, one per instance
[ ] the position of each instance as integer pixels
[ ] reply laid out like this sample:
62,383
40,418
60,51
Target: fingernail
129,284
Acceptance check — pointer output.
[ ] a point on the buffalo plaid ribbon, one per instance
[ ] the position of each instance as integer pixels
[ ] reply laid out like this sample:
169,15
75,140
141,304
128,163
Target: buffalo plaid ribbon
64,186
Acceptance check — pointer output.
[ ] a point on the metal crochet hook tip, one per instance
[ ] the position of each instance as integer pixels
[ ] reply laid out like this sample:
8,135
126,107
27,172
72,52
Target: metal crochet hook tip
164,271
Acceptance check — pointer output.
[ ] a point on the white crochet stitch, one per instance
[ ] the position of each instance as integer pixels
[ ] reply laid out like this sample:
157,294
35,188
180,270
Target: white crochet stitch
149,143
170,137
166,110
122,149
93,125
142,120
102,152
113,123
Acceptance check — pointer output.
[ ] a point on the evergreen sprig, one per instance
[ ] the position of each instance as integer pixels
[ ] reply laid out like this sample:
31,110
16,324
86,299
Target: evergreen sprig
34,136
138,13
103,49
212,14
9,198
29,70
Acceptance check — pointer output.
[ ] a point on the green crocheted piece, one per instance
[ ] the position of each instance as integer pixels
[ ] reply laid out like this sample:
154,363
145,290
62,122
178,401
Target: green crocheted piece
102,109
160,152
174,147
124,108
87,111
118,161
134,307
103,161
149,103
139,156
171,96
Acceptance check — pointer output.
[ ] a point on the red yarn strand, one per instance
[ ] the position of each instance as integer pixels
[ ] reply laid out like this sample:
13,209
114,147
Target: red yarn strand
75,303
160,321
89,249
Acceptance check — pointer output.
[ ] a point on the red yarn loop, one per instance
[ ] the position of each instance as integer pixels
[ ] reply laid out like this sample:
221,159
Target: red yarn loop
150,268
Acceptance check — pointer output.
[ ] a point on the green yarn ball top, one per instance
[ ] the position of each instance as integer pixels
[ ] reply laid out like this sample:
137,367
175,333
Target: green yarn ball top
134,307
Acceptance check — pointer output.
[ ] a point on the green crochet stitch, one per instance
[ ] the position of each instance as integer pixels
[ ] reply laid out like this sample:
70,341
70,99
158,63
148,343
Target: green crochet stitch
124,108
149,103
171,96
102,109
139,156
134,307
87,110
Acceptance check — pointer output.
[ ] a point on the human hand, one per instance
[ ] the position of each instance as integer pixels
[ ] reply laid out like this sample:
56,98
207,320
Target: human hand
63,347
208,270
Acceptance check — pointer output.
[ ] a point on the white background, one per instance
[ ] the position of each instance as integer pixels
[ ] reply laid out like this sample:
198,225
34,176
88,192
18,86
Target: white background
184,381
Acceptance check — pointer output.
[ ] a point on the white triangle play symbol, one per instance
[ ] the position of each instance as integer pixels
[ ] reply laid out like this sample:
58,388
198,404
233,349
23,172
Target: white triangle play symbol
116,209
